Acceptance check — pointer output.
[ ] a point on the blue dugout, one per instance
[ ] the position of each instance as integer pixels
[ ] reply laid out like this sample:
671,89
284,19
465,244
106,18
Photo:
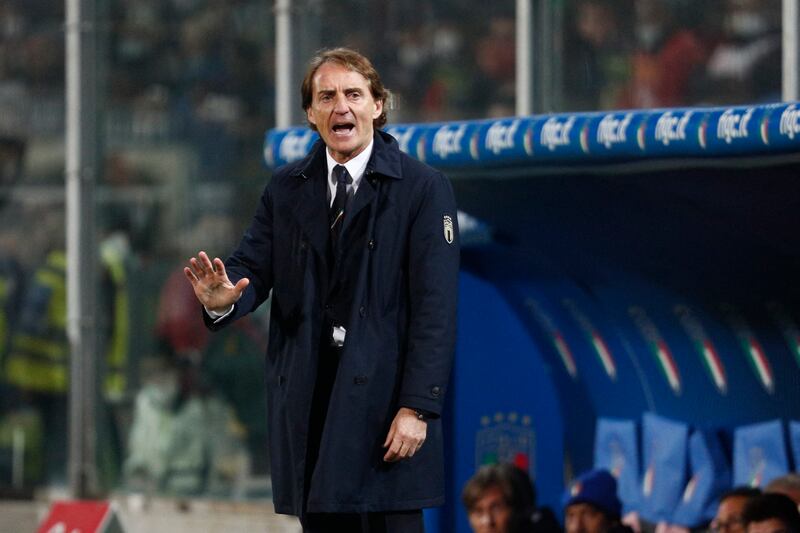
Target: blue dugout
628,278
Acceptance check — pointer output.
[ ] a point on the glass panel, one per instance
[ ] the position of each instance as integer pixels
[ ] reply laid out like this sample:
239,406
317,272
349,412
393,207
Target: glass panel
185,96
33,345
622,54
187,93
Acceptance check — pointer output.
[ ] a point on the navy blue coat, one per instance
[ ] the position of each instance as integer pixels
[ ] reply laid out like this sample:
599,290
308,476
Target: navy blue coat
401,328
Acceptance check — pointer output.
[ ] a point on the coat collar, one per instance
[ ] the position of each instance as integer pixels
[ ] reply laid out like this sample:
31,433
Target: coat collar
311,211
385,159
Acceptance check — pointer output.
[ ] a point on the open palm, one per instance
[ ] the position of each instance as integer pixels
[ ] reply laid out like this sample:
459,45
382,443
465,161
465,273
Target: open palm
211,284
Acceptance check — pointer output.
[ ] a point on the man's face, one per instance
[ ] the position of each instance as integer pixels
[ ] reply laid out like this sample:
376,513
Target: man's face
772,525
585,518
342,108
729,515
491,513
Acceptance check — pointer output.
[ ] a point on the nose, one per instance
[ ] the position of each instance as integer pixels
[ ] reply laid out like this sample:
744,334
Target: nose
340,105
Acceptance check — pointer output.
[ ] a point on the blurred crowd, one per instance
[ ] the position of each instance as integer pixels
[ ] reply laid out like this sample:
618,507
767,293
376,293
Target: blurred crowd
671,53
202,70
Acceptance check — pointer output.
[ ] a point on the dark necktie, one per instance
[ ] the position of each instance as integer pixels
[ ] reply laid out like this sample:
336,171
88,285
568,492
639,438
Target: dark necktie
336,213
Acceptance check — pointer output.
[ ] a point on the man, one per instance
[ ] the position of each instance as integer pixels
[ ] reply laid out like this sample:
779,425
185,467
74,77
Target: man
359,245
771,513
591,504
500,498
731,507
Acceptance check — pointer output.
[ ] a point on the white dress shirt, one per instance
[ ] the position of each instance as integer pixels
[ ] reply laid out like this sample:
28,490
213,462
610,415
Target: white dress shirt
355,167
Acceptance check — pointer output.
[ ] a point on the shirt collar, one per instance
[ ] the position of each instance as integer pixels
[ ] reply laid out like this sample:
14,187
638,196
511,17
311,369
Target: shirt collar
355,167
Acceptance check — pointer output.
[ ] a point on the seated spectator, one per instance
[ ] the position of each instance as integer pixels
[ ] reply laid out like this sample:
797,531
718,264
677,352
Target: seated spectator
591,504
500,498
771,513
731,507
788,485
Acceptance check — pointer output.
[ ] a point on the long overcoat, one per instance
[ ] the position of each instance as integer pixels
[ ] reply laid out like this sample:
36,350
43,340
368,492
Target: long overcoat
400,332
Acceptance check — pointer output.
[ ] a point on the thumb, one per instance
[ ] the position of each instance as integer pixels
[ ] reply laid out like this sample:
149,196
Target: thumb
390,436
240,286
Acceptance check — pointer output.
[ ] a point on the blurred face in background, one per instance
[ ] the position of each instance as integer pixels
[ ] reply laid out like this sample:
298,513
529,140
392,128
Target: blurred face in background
585,518
729,515
491,513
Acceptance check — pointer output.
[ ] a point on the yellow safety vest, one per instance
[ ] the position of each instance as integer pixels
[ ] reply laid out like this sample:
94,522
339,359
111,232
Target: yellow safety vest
38,358
115,381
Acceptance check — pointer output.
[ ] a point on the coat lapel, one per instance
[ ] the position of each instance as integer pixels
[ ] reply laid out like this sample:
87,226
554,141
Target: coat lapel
362,198
311,211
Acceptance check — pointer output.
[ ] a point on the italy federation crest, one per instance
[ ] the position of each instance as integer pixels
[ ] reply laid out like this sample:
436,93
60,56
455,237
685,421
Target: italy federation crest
448,229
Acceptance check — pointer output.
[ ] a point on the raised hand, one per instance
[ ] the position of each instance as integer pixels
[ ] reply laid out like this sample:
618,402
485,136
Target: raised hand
406,435
211,284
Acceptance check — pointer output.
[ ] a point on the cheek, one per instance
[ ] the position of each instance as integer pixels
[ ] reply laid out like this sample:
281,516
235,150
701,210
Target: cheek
502,520
474,521
594,524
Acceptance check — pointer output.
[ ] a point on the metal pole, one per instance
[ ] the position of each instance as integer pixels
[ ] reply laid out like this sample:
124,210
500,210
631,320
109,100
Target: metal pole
81,159
524,74
283,63
546,32
791,54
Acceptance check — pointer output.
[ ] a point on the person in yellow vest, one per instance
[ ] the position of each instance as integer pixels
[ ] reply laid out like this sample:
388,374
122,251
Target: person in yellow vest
37,364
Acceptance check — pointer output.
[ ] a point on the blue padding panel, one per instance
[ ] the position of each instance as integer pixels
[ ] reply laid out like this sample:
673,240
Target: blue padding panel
506,407
794,437
693,354
710,477
759,454
579,137
616,449
664,445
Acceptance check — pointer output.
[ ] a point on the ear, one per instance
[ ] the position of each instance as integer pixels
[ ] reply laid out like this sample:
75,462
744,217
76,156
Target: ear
310,116
378,109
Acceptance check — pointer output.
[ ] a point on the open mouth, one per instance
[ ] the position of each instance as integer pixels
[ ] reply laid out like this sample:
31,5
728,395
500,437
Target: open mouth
343,129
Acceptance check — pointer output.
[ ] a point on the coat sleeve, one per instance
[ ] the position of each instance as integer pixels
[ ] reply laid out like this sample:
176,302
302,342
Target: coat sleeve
252,259
433,293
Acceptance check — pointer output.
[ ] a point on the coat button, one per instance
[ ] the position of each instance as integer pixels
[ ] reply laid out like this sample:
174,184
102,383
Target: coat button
362,311
327,307
371,244
435,392
360,380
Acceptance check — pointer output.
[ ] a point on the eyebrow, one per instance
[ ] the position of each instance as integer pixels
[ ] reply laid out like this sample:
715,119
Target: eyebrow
346,91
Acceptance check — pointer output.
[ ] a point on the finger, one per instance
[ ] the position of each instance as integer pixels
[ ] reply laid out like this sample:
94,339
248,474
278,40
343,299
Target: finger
206,261
389,457
392,454
419,446
404,450
219,266
190,275
197,267
411,451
